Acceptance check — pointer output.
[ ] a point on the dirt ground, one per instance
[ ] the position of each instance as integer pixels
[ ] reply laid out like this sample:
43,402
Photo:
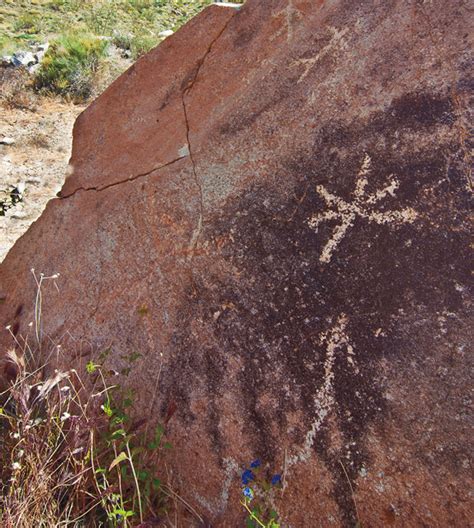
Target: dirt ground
38,158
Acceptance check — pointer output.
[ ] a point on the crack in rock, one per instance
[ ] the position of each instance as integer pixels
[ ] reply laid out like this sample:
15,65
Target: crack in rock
125,180
185,91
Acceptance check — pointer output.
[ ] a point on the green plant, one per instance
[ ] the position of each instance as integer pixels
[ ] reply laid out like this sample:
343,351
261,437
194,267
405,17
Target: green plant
142,44
258,496
70,64
129,460
27,23
102,18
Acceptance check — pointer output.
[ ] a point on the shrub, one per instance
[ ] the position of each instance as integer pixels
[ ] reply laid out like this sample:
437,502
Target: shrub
101,19
140,45
27,23
15,92
70,64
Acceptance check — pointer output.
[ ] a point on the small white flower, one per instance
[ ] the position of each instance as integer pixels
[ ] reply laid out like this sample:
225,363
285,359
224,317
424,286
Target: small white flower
16,466
16,436
65,416
66,388
21,452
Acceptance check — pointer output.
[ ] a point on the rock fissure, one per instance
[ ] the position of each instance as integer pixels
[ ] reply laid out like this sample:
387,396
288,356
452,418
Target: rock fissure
120,182
186,90
197,231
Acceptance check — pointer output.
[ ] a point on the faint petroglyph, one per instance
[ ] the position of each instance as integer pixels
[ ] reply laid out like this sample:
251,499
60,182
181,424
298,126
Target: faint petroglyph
338,42
291,16
336,342
361,206
231,470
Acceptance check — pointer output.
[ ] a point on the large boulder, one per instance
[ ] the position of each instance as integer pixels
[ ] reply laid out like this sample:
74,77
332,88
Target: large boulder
269,211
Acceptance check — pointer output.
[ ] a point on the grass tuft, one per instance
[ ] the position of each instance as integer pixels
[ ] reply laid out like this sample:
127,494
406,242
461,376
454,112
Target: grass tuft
70,65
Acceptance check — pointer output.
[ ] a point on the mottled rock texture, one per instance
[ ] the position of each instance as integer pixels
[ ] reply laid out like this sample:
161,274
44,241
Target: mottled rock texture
271,208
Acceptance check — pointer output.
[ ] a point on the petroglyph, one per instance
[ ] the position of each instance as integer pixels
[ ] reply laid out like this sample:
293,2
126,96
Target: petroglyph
337,43
231,469
291,15
361,206
336,341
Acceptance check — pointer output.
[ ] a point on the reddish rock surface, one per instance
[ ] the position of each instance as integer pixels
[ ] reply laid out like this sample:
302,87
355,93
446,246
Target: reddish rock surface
271,208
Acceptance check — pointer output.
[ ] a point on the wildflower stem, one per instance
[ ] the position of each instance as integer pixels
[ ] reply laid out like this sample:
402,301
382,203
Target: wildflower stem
252,515
127,445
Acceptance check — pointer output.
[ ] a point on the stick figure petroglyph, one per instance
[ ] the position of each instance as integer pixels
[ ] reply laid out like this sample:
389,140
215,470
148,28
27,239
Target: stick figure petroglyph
363,206
336,341
291,15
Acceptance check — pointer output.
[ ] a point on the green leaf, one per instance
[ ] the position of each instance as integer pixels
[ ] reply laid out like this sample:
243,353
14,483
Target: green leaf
119,458
137,450
103,355
134,356
107,408
91,367
128,402
168,445
119,433
159,430
142,474
123,513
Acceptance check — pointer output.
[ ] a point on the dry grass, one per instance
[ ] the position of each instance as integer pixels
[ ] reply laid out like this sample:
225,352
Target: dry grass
16,89
46,474
69,454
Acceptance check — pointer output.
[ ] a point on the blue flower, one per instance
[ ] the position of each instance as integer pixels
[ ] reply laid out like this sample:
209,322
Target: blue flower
256,463
248,492
276,479
247,476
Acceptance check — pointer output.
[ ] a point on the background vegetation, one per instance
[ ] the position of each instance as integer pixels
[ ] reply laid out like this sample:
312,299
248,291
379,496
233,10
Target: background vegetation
92,40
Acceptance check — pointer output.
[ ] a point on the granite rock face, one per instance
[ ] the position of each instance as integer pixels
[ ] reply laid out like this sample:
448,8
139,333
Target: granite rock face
271,209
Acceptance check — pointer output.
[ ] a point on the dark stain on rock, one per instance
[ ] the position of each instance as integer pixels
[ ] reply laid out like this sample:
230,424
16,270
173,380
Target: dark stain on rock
417,110
244,37
285,297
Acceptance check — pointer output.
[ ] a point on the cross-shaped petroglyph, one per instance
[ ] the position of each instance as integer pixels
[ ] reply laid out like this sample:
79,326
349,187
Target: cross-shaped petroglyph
362,206
336,342
338,42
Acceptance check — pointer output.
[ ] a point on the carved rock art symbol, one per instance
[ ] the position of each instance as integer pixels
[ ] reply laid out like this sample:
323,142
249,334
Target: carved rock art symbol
336,44
291,15
335,340
362,205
